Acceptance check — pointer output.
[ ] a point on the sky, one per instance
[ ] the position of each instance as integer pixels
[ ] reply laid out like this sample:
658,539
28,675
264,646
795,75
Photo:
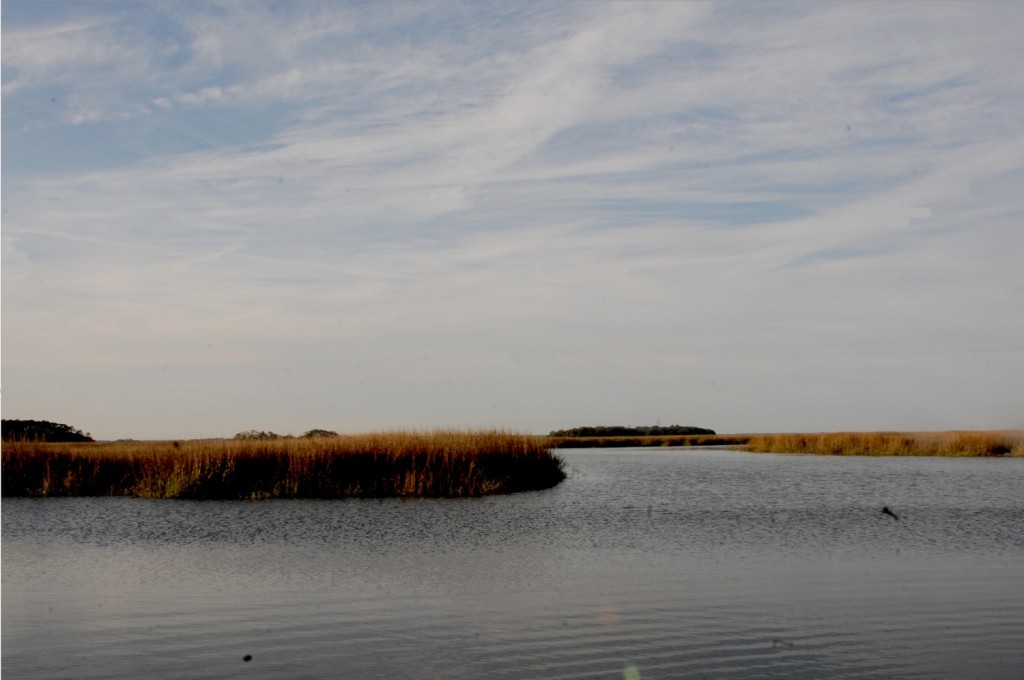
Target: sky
752,217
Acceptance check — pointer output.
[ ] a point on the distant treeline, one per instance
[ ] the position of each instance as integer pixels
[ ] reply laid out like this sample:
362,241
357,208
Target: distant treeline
266,435
624,431
42,431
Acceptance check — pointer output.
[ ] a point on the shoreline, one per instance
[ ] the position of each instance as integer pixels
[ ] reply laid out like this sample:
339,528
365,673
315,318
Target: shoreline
654,440
952,443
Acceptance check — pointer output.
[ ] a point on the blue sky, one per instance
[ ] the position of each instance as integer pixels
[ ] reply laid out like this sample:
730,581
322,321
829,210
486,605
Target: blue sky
743,216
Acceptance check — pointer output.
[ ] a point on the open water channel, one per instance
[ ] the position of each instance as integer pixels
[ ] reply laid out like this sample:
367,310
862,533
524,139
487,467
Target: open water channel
667,563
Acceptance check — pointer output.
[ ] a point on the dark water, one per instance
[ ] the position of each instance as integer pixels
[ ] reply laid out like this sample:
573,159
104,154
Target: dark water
644,564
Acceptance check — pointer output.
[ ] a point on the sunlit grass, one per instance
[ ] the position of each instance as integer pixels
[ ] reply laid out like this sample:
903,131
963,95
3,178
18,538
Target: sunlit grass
442,463
953,443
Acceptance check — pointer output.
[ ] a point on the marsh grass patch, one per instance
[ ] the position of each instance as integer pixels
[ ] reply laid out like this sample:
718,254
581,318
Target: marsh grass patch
440,463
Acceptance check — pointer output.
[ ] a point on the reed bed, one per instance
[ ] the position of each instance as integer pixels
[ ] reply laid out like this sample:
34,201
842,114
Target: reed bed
954,443
649,440
403,463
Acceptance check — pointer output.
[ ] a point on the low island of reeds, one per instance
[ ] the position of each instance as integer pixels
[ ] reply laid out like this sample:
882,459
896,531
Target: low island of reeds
953,443
389,464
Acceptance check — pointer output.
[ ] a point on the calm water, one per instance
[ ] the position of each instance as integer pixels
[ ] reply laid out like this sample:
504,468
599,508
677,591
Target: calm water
644,564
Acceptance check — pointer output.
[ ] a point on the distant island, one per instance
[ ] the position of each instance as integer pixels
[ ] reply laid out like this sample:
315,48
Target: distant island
603,436
629,431
42,431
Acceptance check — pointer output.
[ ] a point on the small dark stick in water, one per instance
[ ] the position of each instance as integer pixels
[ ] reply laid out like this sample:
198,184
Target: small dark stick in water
887,511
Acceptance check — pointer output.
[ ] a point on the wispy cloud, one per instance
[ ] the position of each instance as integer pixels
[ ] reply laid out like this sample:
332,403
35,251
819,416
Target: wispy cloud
523,214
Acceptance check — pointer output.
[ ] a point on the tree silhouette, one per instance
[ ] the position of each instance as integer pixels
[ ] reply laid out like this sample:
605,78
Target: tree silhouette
313,434
258,434
623,431
42,431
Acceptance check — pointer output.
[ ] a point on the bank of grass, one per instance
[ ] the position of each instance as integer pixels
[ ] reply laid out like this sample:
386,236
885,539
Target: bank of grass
442,463
649,440
953,443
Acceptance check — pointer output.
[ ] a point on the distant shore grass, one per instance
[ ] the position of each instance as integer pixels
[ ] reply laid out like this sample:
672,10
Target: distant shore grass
953,443
649,440
443,463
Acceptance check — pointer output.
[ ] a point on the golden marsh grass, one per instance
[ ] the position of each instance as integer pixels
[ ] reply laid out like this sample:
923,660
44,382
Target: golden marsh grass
442,463
952,443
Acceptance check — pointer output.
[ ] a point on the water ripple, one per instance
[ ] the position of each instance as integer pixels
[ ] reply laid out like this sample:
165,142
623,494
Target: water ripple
643,564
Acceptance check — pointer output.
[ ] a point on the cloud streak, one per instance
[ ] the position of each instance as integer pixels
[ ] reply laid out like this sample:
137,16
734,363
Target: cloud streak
524,215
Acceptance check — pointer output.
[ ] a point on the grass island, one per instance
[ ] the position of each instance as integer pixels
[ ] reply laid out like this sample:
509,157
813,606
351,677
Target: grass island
441,463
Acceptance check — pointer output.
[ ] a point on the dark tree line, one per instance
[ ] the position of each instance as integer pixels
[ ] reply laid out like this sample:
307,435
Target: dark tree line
626,431
42,431
261,434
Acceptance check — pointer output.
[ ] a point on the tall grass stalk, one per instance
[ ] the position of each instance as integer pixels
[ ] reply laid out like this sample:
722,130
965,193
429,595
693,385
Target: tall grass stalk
954,443
443,463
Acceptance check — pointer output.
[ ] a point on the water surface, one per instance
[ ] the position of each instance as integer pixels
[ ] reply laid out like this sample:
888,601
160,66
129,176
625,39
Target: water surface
644,563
